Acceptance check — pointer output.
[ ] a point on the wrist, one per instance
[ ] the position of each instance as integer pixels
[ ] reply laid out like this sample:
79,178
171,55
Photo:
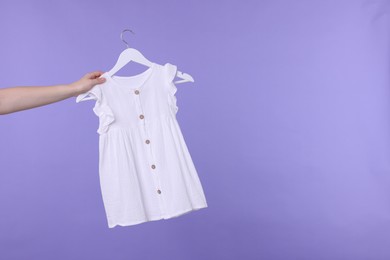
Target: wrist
73,89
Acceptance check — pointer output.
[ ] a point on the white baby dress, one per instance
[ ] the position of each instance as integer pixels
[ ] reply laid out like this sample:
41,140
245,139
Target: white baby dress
146,171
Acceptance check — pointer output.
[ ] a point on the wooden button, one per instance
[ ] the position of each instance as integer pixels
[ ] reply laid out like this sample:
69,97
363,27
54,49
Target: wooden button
153,166
147,141
141,116
159,191
136,92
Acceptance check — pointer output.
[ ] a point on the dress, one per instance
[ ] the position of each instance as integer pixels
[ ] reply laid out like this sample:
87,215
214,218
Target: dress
145,169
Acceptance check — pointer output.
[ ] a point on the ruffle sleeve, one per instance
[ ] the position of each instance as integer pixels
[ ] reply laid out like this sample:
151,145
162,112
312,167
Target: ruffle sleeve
101,108
171,71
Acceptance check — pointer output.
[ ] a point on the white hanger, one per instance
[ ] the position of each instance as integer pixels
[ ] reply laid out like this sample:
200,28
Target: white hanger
131,54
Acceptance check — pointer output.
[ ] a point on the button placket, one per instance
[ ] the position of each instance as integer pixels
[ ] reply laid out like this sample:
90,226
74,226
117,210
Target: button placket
153,166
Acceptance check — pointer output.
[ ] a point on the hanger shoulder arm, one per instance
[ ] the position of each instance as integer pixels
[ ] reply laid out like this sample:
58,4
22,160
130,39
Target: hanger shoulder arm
184,76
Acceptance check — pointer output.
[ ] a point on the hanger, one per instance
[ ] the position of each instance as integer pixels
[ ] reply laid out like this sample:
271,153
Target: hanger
131,54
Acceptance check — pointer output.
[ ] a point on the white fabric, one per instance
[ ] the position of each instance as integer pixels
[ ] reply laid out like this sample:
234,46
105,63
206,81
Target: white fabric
129,183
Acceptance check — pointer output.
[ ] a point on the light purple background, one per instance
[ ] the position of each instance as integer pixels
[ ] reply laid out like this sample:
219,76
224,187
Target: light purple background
288,124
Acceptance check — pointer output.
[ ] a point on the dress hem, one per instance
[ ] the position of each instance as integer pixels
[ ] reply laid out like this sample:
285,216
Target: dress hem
161,217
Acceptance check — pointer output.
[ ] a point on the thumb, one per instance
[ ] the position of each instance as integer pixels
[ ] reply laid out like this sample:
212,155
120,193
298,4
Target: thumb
98,80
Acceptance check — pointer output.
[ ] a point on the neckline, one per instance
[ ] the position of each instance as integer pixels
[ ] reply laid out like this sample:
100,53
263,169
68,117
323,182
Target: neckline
148,73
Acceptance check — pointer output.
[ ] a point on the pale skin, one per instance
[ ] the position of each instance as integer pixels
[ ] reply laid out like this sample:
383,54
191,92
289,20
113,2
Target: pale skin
14,99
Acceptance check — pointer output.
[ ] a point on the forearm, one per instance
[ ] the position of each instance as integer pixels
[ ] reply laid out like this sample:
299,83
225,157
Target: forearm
20,98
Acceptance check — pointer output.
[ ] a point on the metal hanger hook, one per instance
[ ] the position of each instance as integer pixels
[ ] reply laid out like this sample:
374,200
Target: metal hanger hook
126,30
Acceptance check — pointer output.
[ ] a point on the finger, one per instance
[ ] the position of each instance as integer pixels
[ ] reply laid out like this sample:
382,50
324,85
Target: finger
94,74
98,81
97,74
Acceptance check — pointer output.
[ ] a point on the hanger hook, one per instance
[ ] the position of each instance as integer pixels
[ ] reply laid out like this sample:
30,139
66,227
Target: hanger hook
126,30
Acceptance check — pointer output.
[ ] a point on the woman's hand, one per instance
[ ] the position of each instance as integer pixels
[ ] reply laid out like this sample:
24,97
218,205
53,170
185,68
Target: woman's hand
87,82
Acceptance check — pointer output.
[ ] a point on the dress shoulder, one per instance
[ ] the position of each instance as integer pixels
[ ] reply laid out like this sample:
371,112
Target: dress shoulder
170,71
